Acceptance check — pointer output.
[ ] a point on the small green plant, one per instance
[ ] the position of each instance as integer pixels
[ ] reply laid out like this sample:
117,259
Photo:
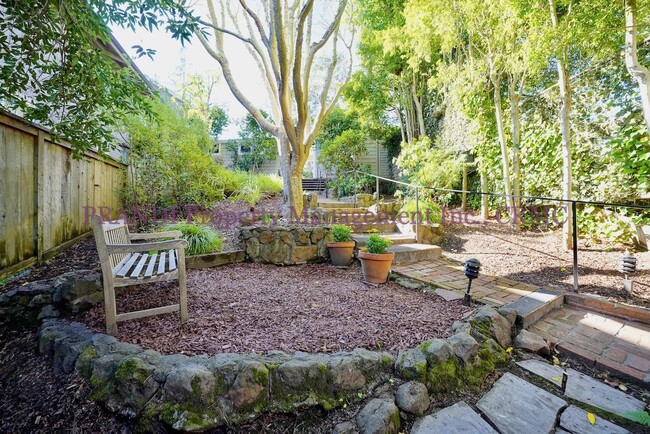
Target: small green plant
201,238
640,417
377,245
340,233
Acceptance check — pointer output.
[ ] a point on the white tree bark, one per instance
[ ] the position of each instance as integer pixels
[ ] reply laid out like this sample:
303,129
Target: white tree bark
505,164
280,38
565,126
640,73
515,116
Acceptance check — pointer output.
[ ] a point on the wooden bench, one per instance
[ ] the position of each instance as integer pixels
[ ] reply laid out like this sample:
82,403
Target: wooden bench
126,264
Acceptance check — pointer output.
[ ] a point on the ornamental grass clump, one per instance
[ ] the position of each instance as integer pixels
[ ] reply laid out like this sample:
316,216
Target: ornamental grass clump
201,238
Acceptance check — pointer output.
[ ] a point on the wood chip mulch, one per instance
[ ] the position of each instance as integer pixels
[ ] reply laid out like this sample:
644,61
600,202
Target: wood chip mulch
257,308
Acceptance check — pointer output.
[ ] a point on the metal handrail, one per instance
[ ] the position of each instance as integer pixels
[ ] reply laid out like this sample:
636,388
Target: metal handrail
573,202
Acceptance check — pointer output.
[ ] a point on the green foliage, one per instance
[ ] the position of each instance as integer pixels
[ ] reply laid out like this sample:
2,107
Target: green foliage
641,417
427,207
171,165
218,121
377,245
341,150
54,72
422,163
201,238
340,233
602,225
254,146
169,161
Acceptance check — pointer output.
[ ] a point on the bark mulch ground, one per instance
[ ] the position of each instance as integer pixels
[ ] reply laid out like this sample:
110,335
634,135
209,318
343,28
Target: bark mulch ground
35,399
257,308
538,258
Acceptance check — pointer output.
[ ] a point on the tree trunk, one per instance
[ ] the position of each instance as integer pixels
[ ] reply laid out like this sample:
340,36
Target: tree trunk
498,111
464,197
291,170
485,210
640,73
516,123
565,126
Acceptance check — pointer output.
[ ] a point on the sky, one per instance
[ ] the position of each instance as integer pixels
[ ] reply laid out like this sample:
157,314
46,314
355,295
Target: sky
166,63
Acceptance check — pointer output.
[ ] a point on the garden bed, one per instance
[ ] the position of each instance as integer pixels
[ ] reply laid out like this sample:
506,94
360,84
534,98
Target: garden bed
537,258
243,308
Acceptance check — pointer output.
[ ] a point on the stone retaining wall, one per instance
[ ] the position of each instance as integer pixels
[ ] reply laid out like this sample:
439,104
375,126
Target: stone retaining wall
201,392
285,244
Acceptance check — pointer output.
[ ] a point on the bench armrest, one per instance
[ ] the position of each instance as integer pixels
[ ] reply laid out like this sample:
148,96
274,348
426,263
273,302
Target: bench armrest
146,247
155,235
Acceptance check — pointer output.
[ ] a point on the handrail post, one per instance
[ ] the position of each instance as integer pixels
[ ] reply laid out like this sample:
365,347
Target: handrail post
417,214
377,191
574,221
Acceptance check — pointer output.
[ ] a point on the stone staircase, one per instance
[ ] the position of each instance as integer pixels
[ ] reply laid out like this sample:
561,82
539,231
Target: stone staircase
364,223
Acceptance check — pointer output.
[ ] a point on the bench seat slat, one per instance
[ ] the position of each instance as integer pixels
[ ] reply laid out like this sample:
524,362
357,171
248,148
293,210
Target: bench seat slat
152,262
124,270
172,260
162,263
136,271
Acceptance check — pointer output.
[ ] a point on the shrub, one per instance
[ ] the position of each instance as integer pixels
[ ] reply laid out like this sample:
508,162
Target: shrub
377,245
435,213
340,233
202,238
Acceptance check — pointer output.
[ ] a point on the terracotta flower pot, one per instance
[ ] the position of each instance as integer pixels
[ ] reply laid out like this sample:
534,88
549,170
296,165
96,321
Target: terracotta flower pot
375,267
341,253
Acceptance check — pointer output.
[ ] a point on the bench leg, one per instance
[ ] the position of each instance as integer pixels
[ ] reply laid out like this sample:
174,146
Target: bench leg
182,283
110,308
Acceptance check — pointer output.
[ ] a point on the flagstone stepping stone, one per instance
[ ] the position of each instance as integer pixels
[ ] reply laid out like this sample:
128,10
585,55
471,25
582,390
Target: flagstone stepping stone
515,406
545,370
448,295
457,419
586,389
575,419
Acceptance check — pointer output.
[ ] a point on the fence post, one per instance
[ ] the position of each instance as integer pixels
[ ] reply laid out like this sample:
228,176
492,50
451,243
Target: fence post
574,219
417,214
39,163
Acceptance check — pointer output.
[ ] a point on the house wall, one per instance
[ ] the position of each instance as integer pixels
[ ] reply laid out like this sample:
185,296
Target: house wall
43,190
225,158
371,157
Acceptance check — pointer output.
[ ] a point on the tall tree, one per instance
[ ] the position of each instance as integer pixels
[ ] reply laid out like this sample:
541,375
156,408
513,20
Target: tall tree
640,73
285,41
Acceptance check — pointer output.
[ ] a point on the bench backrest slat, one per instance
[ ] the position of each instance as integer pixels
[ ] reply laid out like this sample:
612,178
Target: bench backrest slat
107,233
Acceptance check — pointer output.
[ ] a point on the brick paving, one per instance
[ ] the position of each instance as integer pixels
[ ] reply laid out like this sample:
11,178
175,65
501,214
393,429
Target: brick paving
448,274
612,344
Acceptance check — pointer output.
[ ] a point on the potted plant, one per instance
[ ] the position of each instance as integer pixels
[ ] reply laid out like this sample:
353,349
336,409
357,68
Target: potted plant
376,259
341,246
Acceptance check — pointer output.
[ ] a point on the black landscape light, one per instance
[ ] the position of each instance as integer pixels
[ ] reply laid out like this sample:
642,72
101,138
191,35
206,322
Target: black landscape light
472,268
627,266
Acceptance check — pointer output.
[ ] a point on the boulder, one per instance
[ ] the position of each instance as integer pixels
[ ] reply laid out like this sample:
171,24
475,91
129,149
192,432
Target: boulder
465,346
413,397
437,350
379,416
190,383
489,323
411,364
344,428
509,314
531,342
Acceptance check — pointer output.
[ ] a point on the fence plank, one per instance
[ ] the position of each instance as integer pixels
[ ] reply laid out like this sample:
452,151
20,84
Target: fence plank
43,191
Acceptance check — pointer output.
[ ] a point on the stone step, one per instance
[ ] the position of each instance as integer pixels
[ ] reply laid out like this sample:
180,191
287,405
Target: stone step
532,307
347,210
414,252
395,238
335,204
381,228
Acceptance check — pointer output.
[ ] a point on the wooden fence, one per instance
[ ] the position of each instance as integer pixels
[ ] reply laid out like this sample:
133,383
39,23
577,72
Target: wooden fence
43,191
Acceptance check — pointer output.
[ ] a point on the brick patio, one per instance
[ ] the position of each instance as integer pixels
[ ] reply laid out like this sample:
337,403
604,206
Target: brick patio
613,344
448,274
